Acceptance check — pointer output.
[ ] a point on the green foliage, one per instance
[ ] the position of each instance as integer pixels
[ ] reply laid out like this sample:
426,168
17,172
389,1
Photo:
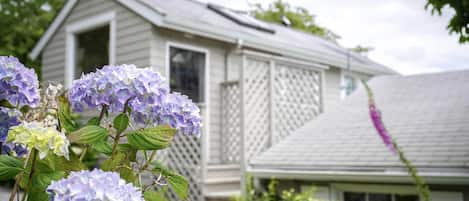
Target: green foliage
9,167
177,182
64,115
121,122
273,194
151,138
299,17
89,134
459,23
23,23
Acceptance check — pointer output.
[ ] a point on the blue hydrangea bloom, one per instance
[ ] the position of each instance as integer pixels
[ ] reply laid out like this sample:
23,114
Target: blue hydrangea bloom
113,86
181,113
95,185
18,84
7,120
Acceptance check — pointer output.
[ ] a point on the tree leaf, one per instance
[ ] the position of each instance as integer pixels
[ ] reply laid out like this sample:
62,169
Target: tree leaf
89,135
65,115
9,167
121,122
155,138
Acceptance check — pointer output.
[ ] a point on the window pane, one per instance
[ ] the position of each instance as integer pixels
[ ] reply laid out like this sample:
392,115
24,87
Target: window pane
349,196
187,73
379,197
406,198
350,84
92,50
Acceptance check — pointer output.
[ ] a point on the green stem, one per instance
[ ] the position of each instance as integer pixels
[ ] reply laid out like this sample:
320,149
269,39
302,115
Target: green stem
147,163
15,188
31,172
114,146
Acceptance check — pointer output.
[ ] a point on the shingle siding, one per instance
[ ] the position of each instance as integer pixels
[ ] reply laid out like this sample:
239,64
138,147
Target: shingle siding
132,37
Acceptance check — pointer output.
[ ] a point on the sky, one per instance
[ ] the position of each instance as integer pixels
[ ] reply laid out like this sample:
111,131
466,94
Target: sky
405,36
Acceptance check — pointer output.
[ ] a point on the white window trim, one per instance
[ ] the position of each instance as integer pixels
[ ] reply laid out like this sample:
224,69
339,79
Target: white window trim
206,102
85,25
372,188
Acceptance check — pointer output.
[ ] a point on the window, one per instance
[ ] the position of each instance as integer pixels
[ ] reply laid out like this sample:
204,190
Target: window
361,196
349,85
187,70
92,50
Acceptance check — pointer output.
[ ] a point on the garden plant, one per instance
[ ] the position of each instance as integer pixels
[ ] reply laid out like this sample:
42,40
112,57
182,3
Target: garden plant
124,113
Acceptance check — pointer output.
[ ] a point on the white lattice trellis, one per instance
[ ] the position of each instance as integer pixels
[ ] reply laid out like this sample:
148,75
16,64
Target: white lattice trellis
231,120
257,106
296,98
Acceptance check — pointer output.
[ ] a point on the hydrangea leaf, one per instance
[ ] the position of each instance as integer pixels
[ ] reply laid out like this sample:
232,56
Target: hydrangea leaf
103,147
39,185
155,138
177,182
93,121
155,195
111,163
9,167
89,134
65,115
121,122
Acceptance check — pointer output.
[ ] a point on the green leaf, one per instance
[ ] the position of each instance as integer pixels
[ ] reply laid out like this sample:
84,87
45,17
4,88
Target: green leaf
151,138
93,121
121,122
111,163
9,167
155,196
177,182
65,115
5,103
103,147
89,135
40,183
127,174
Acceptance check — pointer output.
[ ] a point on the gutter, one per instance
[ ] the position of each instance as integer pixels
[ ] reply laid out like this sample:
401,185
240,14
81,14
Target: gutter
356,176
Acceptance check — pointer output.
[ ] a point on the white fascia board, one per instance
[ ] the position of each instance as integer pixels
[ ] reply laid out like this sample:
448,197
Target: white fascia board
52,29
152,14
355,176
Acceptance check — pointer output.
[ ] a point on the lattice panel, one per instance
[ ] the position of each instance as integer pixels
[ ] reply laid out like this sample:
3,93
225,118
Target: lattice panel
231,122
257,108
185,157
296,99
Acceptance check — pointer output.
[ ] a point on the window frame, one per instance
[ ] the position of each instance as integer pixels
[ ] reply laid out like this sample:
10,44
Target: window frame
205,105
373,188
82,26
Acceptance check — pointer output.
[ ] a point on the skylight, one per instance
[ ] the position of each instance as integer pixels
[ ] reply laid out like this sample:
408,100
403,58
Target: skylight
241,18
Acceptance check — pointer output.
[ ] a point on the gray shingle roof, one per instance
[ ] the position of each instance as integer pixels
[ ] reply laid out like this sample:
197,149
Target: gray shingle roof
427,114
197,15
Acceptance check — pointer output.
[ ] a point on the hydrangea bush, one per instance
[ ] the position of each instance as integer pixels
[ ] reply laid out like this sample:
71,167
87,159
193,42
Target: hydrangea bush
44,141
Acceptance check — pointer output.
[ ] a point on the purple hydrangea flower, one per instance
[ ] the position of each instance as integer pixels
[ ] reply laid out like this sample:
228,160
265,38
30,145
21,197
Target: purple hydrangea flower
18,84
95,185
113,86
181,113
7,120
375,115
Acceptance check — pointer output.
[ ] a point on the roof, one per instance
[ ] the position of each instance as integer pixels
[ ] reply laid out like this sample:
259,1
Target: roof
201,19
427,114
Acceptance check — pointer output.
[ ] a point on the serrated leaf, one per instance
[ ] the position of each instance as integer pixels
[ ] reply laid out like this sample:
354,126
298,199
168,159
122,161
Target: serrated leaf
103,147
89,134
155,138
121,122
93,121
177,182
9,167
155,196
65,115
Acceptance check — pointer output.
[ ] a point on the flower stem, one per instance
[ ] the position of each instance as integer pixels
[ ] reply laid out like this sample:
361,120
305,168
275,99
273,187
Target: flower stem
15,188
31,172
147,163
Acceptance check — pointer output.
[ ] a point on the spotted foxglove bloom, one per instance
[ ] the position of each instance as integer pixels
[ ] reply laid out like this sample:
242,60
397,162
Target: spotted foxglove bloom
36,136
8,118
377,120
181,113
95,185
18,84
113,86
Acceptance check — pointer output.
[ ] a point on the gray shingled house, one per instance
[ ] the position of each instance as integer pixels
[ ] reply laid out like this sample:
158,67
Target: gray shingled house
341,153
255,82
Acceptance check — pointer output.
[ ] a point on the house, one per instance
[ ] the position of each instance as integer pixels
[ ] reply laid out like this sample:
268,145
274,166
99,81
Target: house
341,153
255,82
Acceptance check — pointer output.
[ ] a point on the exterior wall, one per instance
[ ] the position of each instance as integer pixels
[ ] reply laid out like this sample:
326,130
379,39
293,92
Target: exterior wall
132,37
217,54
333,85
